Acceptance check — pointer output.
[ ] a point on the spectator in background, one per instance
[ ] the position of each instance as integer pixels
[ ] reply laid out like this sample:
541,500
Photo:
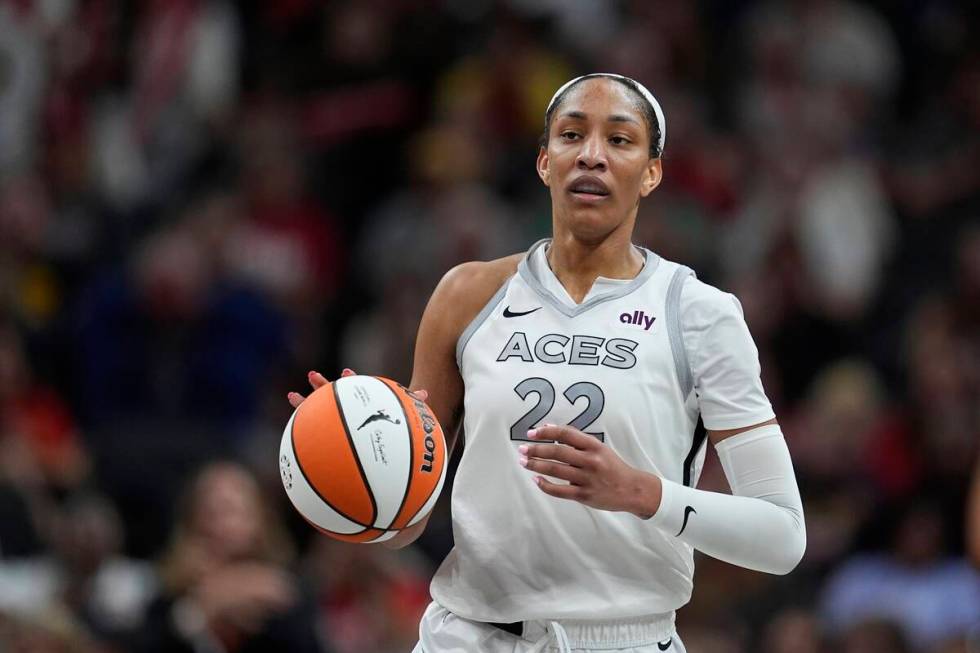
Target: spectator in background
874,636
225,583
35,413
84,583
52,634
942,353
185,62
23,72
41,453
793,631
177,332
449,216
288,246
853,451
930,594
370,598
106,590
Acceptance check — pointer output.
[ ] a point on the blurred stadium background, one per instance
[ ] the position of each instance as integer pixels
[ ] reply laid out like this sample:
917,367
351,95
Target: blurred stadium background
201,200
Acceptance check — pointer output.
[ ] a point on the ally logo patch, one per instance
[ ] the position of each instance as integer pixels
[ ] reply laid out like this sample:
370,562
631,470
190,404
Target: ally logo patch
638,318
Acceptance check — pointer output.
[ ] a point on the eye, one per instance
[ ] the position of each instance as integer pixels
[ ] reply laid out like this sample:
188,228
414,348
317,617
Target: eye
619,140
569,135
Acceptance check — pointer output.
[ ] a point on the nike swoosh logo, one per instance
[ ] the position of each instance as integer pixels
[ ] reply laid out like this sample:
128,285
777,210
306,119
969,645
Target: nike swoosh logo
687,513
664,646
509,313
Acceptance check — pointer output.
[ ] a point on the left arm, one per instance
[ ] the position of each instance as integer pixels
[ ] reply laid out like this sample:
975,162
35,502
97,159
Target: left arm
759,527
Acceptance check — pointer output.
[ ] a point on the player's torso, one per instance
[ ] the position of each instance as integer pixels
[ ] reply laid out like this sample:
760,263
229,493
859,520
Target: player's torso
606,367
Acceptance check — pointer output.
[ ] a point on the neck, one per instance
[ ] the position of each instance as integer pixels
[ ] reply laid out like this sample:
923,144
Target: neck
577,263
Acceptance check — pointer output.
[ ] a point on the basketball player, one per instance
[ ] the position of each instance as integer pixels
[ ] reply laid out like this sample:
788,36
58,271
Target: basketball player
587,374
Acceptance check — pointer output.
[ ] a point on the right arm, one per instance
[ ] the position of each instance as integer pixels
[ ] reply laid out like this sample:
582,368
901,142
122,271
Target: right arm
460,296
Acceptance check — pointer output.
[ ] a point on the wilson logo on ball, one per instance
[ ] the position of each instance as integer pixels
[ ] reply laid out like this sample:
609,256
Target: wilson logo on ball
428,425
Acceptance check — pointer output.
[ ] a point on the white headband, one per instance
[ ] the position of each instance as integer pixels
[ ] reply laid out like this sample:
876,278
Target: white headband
647,95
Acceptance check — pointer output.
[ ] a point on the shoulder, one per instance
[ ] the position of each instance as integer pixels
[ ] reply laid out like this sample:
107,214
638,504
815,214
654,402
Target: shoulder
476,282
702,305
465,290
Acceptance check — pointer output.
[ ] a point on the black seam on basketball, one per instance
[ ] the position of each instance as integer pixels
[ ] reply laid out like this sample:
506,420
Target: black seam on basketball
327,531
309,483
330,532
411,454
700,435
353,448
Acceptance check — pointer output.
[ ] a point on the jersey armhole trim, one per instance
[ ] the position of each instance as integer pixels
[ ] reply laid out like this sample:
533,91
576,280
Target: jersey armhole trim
697,444
477,321
685,376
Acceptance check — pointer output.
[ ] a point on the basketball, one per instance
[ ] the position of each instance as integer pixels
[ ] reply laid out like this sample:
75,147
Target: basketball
361,459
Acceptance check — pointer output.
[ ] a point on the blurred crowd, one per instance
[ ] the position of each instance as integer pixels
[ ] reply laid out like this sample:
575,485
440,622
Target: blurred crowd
200,200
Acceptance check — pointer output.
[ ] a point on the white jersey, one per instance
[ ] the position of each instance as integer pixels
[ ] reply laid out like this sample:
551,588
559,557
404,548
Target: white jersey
635,365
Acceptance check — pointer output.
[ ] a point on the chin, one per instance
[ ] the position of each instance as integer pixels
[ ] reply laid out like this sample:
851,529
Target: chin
589,225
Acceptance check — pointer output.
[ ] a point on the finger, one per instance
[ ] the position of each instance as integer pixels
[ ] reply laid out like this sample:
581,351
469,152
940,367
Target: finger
317,380
295,399
421,395
550,468
571,492
566,435
559,452
348,372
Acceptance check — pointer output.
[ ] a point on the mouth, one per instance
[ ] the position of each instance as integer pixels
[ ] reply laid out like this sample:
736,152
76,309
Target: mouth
588,189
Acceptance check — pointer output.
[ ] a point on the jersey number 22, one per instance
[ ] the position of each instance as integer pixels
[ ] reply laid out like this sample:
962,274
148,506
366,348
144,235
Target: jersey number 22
546,401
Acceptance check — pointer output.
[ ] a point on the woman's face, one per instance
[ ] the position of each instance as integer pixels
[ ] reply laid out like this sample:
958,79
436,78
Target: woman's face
597,161
227,515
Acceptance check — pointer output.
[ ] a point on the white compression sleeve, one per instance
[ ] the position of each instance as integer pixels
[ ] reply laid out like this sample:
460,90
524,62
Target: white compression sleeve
760,526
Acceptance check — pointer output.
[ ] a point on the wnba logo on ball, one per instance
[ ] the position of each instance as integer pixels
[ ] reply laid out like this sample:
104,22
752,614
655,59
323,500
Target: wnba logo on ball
428,425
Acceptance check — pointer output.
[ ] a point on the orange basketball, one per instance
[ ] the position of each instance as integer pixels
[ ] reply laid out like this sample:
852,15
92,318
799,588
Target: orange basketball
362,459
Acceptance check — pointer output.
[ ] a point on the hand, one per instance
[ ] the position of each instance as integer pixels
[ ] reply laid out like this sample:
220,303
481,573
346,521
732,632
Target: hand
597,476
244,595
317,380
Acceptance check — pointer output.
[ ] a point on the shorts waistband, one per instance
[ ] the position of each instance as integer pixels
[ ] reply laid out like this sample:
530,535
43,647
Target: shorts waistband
612,633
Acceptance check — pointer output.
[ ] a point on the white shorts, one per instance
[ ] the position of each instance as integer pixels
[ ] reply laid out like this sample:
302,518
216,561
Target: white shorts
441,631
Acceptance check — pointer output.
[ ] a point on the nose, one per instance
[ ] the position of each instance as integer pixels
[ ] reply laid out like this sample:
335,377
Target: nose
592,155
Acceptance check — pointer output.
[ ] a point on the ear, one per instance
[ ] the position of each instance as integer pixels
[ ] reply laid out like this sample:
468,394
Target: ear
652,175
542,165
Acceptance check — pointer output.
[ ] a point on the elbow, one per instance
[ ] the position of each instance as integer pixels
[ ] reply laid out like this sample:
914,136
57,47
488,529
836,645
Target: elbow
789,562
789,555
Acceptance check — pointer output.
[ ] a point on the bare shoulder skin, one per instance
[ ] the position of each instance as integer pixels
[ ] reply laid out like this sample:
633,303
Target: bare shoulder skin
457,300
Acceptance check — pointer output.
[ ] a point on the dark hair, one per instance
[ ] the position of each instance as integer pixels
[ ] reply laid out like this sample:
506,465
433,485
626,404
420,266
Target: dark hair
649,115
